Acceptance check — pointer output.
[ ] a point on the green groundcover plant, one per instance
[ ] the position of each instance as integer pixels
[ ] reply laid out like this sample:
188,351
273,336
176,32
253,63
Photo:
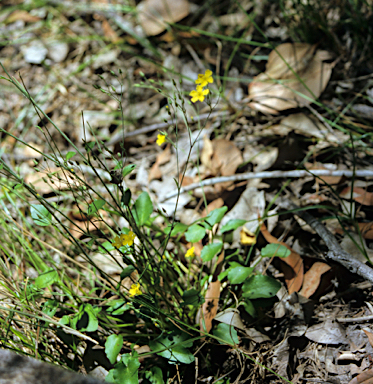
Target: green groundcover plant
159,294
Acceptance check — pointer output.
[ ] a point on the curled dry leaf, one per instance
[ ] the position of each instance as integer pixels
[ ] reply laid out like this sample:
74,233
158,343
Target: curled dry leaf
363,378
281,88
360,195
220,156
366,230
210,306
21,15
312,278
154,14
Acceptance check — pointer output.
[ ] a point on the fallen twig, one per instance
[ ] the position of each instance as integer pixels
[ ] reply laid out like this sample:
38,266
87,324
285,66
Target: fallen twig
271,175
335,253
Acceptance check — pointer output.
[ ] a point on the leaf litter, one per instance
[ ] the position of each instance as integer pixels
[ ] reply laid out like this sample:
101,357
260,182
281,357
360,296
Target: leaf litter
253,146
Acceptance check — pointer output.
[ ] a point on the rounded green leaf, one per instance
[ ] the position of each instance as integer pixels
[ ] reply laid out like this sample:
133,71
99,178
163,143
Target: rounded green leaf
46,279
237,274
178,227
142,209
227,333
232,225
210,250
95,206
154,375
40,215
195,233
113,346
173,347
216,215
278,250
249,308
260,286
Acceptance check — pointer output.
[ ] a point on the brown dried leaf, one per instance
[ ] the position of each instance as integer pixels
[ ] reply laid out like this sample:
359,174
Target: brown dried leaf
366,230
363,378
162,158
218,203
325,179
154,14
210,306
21,15
279,88
226,158
109,32
294,278
312,278
207,152
360,195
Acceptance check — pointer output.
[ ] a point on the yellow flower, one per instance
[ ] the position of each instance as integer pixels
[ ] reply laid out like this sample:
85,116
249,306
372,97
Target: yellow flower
203,80
128,239
122,240
117,242
190,252
135,290
161,139
199,94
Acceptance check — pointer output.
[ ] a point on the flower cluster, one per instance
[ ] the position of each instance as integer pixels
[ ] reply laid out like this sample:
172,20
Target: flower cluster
199,93
120,241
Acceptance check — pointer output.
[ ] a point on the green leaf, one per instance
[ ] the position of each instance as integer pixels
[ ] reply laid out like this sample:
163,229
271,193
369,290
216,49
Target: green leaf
86,318
260,286
108,247
117,307
210,250
178,228
173,346
46,279
192,297
40,215
127,271
237,274
155,375
126,197
271,250
128,169
227,333
232,225
195,233
215,216
113,346
95,206
142,209
89,146
249,308
50,307
70,154
125,372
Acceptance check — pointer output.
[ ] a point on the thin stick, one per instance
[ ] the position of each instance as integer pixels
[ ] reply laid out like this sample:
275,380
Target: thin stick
335,253
271,175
